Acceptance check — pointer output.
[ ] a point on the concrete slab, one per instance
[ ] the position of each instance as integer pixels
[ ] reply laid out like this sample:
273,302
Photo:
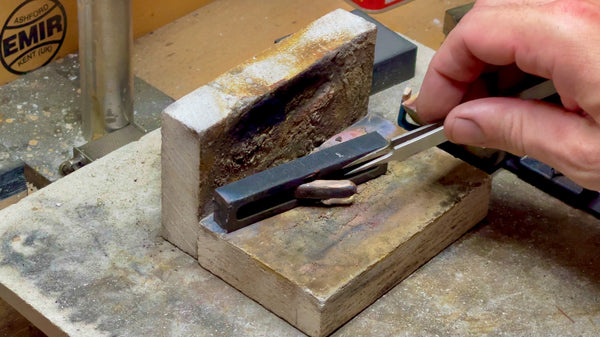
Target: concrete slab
83,257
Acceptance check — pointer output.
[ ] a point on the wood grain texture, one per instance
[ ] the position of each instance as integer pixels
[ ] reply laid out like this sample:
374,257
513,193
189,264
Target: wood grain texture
12,324
20,306
12,199
317,267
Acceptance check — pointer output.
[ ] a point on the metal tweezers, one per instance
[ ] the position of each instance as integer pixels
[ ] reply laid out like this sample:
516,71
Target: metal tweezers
401,147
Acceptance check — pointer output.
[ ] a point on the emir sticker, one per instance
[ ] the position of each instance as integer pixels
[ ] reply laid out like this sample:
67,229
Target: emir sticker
32,35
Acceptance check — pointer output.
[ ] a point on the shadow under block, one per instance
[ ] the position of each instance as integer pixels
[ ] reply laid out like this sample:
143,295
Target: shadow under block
276,107
317,267
13,186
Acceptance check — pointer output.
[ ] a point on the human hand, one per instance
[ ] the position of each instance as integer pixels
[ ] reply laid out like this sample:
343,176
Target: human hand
557,40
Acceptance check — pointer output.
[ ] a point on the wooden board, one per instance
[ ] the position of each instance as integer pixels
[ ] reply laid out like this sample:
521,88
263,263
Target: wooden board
197,48
15,325
12,199
317,267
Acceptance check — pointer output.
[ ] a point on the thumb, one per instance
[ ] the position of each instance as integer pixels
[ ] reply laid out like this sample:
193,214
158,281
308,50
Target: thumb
565,140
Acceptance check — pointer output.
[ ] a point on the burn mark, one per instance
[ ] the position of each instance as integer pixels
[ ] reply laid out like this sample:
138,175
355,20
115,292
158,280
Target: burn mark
274,108
27,251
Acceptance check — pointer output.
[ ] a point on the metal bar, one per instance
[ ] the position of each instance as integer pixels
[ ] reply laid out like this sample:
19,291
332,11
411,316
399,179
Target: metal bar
270,192
105,44
421,139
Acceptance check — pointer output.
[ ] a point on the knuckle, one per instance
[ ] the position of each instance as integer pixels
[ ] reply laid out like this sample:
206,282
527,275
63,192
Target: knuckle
586,157
577,10
514,135
581,162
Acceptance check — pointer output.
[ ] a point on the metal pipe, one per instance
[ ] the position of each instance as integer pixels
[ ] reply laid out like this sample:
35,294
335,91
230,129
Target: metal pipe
105,45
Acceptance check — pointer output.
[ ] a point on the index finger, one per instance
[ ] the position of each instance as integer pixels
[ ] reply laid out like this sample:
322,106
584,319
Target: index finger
497,35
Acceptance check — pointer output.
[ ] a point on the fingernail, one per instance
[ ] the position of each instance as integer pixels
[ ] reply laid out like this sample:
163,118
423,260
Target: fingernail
465,131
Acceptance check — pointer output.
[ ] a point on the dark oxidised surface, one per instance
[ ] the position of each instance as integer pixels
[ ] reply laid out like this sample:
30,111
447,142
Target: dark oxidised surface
280,104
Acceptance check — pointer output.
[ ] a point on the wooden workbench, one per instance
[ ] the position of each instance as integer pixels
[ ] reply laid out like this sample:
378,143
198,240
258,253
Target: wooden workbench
197,48
82,257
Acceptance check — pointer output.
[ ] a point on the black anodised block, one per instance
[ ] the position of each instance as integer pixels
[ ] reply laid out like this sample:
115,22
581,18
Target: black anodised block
395,57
